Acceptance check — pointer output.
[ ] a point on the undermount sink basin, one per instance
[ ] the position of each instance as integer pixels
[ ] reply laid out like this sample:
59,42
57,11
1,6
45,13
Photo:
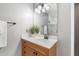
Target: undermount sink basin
48,43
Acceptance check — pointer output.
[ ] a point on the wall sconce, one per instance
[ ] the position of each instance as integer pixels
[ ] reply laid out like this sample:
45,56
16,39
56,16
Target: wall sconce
42,8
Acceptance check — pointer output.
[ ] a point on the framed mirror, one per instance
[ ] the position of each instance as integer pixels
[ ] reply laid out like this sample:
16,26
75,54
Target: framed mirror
46,14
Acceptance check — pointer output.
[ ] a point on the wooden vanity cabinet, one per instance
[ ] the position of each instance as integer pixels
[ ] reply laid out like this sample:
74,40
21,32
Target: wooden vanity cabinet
31,49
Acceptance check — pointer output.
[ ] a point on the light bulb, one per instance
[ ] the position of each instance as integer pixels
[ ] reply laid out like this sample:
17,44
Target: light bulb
43,10
46,6
39,7
37,10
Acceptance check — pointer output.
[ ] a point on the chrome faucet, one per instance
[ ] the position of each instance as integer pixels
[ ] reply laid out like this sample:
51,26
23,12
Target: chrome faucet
45,31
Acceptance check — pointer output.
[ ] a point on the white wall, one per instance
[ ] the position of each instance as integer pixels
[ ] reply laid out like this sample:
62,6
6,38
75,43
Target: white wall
64,29
72,29
22,15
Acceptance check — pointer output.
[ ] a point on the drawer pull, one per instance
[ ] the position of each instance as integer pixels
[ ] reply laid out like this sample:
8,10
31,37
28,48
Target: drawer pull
24,47
24,52
24,42
35,53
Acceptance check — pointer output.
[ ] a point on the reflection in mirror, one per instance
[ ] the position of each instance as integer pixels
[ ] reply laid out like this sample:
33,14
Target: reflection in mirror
45,14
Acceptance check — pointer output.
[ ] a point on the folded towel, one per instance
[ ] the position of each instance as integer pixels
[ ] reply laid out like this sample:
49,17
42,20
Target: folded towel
3,34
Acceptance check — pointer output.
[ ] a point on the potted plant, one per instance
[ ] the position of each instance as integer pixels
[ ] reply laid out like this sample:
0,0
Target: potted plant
34,30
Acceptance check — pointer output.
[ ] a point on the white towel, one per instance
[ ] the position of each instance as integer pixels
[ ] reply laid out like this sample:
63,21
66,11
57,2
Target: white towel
3,34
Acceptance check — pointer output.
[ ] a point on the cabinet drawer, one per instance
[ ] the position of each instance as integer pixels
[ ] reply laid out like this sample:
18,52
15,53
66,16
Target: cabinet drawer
40,49
27,51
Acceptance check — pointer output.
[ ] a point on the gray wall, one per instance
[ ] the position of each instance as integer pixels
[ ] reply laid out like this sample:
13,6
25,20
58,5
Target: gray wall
76,29
22,15
64,29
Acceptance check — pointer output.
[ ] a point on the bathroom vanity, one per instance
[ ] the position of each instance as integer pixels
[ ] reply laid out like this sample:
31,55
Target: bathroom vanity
47,24
37,46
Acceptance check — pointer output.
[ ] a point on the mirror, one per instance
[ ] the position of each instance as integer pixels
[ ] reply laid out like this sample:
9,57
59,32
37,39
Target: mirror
46,14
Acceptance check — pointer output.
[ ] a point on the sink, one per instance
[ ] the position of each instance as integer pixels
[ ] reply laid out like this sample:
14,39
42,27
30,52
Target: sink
48,43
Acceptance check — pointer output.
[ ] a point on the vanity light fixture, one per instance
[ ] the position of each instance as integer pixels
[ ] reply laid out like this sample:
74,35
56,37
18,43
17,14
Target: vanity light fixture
42,8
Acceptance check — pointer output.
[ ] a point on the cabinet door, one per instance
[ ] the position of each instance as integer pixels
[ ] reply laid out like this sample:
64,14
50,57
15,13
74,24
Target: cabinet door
36,47
31,49
27,51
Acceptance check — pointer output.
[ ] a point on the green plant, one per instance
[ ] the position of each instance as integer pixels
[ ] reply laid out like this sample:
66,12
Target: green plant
37,29
34,29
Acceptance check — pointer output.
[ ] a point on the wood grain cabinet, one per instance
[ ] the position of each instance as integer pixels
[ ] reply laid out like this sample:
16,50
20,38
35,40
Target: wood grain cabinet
32,49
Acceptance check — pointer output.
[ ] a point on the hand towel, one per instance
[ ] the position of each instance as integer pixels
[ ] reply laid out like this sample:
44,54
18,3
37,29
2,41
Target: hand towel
3,34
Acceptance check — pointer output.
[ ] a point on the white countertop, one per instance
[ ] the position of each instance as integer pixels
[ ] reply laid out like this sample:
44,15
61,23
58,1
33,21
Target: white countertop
48,43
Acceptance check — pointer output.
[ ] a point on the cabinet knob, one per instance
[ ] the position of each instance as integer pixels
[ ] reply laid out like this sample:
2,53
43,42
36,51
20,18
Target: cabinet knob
35,53
24,47
24,42
24,52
